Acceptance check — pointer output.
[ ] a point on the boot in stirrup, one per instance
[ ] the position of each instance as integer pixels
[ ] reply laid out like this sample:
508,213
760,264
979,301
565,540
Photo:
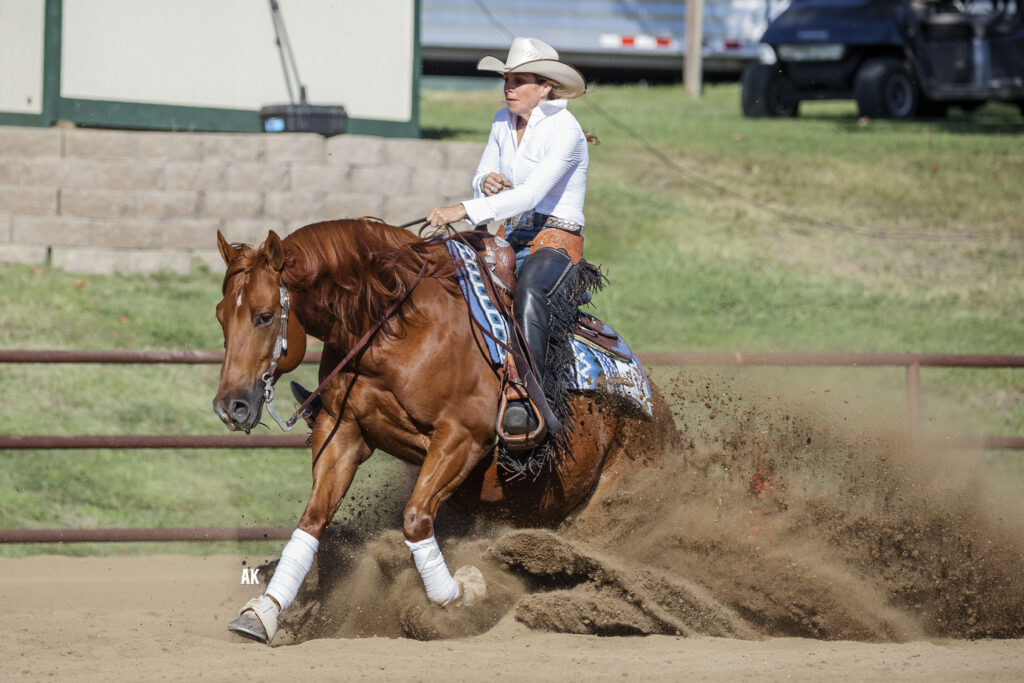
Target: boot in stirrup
519,418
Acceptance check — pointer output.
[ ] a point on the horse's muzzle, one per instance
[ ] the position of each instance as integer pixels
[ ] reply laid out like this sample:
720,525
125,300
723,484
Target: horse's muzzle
239,412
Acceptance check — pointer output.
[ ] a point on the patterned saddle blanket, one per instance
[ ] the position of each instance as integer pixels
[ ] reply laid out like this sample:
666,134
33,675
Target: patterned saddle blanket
616,372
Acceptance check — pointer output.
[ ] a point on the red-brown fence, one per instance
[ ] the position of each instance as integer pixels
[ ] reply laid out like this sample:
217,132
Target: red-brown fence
911,362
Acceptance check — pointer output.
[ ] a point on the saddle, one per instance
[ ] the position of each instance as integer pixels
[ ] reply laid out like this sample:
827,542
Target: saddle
498,257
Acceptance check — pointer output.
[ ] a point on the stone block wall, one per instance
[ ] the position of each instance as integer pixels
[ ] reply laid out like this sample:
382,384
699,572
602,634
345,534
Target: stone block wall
127,201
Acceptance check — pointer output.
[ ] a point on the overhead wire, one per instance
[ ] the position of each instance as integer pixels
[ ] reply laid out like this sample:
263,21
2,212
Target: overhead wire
764,206
724,190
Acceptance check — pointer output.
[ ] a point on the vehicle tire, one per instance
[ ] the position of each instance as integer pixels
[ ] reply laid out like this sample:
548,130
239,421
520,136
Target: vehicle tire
886,89
766,92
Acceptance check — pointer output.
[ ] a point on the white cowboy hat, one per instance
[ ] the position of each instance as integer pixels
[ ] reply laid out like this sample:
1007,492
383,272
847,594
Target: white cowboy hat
532,56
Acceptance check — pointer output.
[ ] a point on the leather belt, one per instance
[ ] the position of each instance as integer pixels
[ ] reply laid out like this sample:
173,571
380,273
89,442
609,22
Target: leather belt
544,220
535,222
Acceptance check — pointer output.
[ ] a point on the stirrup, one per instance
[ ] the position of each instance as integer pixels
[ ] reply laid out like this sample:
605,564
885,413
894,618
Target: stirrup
526,428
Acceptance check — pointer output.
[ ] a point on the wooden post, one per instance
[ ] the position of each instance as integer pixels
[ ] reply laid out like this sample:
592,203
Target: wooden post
692,67
914,398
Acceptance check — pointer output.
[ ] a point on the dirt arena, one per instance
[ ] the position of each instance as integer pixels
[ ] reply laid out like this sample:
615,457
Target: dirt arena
163,618
781,541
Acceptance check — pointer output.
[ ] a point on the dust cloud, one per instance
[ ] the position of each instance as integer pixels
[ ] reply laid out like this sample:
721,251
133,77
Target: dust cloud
775,514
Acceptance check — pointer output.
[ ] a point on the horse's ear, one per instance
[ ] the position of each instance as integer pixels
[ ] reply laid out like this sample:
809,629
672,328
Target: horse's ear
275,251
227,252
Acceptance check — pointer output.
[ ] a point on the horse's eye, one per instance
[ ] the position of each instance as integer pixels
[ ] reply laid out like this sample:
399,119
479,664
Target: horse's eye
264,319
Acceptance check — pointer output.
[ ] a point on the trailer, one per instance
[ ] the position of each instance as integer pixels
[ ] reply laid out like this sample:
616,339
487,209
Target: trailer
639,35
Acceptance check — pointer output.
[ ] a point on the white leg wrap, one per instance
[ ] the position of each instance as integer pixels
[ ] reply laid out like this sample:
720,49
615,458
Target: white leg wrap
441,587
296,559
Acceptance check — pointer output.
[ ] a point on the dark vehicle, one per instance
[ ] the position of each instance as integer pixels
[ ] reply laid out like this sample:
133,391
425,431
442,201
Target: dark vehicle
898,59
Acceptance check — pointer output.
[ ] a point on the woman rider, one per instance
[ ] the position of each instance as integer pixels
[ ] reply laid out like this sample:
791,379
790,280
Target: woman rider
532,175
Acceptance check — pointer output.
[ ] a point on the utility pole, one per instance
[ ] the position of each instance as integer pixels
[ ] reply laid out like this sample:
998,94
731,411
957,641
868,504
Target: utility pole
692,68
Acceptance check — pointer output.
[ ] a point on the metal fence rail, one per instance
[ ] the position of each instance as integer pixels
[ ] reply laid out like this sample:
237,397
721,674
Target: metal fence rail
910,361
140,441
138,535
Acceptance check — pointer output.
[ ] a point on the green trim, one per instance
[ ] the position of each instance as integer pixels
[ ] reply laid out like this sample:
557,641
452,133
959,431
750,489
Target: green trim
103,114
53,39
12,119
107,114
387,129
417,71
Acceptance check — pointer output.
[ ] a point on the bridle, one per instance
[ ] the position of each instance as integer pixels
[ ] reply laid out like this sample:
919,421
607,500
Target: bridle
280,348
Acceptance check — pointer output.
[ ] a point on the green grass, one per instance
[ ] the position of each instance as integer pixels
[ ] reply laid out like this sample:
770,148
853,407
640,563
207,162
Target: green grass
922,254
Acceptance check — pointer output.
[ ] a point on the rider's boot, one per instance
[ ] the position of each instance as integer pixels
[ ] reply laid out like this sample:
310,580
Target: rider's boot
538,274
301,393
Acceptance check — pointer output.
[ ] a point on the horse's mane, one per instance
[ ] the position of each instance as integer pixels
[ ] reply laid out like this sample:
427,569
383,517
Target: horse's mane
354,269
347,272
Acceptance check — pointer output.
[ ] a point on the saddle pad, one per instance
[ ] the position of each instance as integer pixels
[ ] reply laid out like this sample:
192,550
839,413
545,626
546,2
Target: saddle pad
471,281
595,369
598,370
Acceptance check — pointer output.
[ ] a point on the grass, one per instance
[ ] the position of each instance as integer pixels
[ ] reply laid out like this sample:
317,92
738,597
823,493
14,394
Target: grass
877,236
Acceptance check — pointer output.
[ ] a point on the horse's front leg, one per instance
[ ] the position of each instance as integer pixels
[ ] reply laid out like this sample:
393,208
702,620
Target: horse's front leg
332,475
452,455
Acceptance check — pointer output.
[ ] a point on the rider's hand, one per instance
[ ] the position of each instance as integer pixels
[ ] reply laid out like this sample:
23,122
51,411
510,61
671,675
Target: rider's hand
446,215
495,183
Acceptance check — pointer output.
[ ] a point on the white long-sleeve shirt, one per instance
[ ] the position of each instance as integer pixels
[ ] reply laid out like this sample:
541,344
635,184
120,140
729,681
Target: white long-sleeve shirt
548,171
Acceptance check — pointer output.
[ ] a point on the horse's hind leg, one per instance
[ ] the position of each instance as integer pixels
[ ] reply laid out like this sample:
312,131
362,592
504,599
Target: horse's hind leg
451,457
332,475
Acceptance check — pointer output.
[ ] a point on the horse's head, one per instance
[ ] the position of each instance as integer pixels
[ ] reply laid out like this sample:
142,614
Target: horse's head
251,316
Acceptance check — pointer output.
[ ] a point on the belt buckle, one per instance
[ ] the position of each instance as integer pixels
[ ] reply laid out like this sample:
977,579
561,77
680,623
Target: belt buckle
523,221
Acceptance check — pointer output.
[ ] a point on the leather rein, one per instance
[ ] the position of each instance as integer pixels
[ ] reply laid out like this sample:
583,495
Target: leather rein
281,346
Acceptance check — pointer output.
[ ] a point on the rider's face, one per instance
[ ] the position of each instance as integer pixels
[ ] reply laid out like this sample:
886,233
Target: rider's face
523,92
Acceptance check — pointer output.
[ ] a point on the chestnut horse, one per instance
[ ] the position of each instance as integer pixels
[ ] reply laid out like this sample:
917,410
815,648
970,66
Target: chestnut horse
422,390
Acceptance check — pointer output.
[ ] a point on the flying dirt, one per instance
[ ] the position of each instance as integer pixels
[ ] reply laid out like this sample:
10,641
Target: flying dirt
772,515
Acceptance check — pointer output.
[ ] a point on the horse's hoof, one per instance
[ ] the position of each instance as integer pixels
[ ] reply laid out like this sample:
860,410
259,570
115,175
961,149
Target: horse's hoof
248,625
472,584
257,619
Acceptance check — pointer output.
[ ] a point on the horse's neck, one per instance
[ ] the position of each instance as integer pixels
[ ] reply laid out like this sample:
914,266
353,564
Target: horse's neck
321,324
316,326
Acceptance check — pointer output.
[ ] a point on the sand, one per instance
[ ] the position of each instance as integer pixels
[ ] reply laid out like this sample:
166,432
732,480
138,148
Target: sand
146,618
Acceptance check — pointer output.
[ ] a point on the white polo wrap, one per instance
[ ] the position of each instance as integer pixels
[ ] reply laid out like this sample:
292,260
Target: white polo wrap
296,559
441,587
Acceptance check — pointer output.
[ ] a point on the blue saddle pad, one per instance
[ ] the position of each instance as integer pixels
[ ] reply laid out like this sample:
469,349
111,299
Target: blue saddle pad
595,369
471,281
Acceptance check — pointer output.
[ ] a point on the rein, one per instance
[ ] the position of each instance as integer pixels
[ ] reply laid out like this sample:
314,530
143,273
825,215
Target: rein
282,344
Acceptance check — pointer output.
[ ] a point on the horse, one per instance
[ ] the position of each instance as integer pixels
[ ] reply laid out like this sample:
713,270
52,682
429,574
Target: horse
421,389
